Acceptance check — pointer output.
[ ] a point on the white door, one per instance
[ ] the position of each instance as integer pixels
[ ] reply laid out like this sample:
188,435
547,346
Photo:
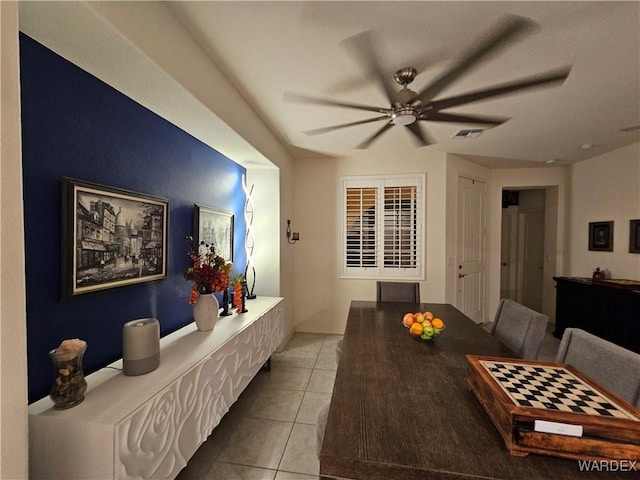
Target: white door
470,298
532,258
508,253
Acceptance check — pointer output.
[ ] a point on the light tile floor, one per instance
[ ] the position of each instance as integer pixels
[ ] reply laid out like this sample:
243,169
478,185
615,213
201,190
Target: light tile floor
550,345
270,432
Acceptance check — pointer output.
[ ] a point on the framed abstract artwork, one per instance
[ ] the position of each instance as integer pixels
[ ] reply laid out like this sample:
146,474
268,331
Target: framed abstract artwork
634,236
111,237
601,236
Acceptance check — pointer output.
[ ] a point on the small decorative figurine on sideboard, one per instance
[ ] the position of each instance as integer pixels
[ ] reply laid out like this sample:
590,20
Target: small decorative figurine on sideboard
598,274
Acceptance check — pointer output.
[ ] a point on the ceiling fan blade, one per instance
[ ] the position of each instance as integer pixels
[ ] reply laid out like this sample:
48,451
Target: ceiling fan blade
373,137
419,134
318,131
361,46
506,31
421,64
456,118
539,80
294,97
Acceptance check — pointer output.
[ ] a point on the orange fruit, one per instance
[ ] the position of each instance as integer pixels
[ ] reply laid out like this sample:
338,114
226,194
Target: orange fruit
408,319
437,323
416,329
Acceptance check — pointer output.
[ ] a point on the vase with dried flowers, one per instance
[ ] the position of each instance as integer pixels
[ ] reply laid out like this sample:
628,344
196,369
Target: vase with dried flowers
208,273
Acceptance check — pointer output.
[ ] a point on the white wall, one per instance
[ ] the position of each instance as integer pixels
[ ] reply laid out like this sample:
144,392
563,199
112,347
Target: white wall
322,298
531,199
272,198
266,208
603,188
13,335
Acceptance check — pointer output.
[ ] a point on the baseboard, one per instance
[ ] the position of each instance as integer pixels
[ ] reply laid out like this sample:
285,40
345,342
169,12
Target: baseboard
319,331
285,340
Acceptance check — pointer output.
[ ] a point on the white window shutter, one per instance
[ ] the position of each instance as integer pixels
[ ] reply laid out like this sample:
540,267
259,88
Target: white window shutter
383,222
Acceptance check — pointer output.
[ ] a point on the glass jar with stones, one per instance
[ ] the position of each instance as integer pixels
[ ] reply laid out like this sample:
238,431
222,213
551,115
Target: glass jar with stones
69,385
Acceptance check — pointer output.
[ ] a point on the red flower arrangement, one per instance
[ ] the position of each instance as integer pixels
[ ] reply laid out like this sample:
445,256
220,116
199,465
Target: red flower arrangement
238,298
209,272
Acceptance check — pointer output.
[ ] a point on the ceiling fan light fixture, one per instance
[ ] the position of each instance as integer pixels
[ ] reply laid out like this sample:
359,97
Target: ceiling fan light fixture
404,116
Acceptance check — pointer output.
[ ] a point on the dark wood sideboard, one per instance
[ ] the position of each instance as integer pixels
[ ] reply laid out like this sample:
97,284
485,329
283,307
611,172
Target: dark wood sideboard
608,310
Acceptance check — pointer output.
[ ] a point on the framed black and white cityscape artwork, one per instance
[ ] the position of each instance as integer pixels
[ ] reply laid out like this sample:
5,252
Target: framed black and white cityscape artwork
111,237
214,227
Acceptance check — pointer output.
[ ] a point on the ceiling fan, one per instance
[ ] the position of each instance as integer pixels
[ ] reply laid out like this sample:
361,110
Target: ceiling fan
409,108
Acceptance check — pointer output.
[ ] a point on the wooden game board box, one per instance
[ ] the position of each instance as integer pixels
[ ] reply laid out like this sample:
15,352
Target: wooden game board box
609,433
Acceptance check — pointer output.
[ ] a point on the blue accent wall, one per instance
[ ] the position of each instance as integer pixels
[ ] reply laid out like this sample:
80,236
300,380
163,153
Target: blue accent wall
77,126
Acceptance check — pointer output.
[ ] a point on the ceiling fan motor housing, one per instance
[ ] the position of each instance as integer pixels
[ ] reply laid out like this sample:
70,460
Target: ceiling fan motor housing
405,75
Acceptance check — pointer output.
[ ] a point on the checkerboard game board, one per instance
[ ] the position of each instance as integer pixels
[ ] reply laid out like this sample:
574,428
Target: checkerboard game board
552,388
552,409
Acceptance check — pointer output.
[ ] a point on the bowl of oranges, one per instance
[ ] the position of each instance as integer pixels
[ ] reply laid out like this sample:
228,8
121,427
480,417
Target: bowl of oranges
423,326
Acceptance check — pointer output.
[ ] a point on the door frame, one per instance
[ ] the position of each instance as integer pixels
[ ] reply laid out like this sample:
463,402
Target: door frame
554,231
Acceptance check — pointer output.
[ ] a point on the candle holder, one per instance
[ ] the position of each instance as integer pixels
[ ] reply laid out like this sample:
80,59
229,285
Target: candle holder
243,303
225,303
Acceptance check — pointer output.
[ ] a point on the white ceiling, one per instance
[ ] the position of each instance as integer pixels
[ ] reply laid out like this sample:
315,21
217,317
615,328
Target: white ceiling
269,48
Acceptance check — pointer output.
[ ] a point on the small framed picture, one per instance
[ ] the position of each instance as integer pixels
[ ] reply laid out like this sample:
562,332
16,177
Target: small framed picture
214,227
111,237
634,236
601,236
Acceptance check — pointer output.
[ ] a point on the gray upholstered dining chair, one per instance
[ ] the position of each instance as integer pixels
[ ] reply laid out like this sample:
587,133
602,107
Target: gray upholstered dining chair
608,364
398,292
320,426
519,328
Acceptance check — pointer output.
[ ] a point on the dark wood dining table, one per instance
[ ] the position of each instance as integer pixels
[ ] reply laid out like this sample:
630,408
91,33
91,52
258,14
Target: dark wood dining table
401,408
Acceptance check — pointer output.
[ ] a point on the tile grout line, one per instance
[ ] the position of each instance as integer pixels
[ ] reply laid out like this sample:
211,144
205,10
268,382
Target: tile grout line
297,413
312,341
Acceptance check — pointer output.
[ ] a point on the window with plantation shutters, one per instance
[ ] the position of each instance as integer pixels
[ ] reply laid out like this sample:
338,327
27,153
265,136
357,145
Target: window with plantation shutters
383,227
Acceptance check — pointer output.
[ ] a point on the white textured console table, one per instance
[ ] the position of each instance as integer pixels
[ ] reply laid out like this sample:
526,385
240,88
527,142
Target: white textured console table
148,426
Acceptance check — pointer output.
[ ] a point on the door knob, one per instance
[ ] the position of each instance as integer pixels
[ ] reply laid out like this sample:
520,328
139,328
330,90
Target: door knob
461,275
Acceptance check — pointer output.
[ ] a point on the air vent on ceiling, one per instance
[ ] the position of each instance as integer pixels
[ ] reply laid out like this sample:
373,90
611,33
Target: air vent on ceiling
468,133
